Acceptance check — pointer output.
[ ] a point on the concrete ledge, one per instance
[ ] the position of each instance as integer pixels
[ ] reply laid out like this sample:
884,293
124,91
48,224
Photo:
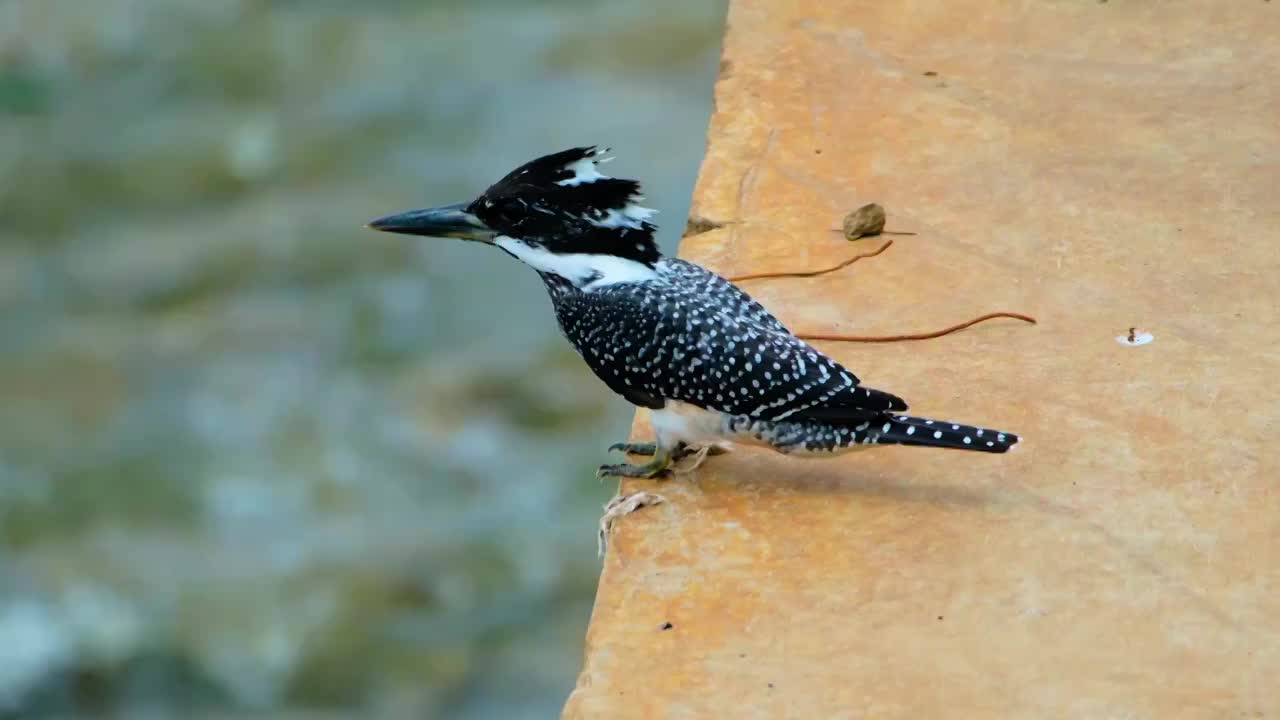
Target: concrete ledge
1098,165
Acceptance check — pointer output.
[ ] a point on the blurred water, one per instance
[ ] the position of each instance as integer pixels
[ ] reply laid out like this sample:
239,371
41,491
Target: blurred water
254,460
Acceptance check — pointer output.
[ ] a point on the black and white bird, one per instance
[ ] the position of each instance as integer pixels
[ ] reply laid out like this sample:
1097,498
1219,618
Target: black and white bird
668,335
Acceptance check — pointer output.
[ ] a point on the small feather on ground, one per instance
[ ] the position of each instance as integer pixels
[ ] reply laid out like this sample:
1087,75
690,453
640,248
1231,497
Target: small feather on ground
699,457
620,506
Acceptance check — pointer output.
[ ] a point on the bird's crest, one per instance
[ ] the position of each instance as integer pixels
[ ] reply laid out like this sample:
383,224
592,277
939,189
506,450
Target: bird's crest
564,203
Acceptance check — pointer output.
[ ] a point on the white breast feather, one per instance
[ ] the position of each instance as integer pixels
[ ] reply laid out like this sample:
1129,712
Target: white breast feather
585,270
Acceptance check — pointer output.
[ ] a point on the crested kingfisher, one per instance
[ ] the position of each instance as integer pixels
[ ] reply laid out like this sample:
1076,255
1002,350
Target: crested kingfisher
709,362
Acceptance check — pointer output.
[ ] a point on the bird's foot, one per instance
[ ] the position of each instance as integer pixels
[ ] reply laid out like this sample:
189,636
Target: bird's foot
658,465
635,448
663,460
681,451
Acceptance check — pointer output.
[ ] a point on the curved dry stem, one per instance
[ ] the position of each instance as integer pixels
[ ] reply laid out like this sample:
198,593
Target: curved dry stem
812,273
915,336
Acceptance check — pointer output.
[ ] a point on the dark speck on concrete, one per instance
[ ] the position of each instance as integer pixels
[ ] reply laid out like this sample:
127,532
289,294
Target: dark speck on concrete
667,626
697,225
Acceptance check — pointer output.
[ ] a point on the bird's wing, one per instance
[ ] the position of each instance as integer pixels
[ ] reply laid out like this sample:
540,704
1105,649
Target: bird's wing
654,342
841,404
710,284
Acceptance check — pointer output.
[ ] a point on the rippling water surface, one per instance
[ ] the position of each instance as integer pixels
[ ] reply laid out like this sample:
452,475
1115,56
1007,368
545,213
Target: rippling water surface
254,460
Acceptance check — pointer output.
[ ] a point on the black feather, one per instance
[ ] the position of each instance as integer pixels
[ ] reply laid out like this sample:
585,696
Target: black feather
909,430
530,203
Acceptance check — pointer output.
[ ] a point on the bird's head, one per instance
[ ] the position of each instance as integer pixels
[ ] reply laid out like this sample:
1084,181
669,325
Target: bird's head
560,204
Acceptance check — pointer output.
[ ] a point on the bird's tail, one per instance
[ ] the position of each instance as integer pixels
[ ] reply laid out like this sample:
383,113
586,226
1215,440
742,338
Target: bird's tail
908,430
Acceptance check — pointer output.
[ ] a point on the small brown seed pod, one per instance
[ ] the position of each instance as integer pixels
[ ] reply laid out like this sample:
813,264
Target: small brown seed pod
866,220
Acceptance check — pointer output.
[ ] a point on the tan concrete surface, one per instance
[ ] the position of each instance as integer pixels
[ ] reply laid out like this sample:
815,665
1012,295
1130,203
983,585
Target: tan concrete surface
1098,165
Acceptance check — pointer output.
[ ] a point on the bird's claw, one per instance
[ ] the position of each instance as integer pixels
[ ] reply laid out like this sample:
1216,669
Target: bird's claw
680,452
635,448
646,471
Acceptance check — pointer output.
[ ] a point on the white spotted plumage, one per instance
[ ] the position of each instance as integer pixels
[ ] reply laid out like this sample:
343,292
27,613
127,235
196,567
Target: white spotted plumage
686,338
671,336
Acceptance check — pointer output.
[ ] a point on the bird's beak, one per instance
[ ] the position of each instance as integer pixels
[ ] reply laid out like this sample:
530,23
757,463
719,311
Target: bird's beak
449,221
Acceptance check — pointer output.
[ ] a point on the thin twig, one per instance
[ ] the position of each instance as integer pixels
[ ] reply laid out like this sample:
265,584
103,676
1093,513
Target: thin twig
918,336
882,232
812,273
877,338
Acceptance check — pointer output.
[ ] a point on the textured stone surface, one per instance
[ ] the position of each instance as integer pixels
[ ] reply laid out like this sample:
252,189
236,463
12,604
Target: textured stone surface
1098,165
